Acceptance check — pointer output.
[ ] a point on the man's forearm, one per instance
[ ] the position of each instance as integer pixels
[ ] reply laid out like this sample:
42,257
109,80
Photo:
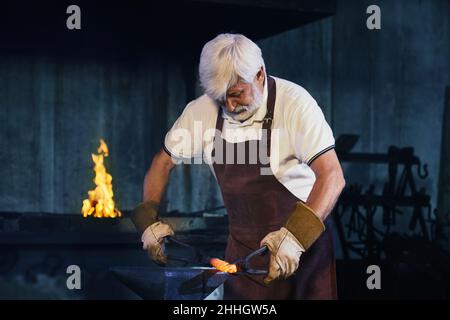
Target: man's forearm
145,214
157,176
306,221
325,192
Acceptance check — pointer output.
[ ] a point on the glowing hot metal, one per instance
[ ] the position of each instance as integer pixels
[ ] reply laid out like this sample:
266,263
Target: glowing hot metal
223,265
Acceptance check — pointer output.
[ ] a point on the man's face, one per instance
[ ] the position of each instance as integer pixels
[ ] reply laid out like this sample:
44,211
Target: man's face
243,99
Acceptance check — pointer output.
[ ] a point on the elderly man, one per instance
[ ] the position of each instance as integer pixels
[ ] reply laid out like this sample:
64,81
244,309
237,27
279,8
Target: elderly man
273,156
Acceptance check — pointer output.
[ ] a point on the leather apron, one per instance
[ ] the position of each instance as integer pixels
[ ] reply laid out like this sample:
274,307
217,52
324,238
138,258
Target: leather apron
258,204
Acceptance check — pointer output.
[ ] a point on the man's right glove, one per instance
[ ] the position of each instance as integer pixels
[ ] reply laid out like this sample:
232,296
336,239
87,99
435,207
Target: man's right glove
153,231
153,241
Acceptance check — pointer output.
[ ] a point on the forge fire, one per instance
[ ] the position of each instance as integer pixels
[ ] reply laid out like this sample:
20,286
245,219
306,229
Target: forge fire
100,203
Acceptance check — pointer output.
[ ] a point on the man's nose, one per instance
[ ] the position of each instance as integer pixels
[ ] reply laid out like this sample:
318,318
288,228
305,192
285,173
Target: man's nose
231,105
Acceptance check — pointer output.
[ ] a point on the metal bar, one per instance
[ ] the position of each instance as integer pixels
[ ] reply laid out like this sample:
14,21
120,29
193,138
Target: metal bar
377,158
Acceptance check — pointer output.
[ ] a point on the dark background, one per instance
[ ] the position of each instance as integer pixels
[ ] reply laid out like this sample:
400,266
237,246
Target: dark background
129,72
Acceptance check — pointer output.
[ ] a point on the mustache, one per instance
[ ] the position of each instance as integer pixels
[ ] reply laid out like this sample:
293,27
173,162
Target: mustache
240,109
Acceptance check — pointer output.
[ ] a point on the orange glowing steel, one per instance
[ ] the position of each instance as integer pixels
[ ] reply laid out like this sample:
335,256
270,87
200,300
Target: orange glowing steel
223,265
100,202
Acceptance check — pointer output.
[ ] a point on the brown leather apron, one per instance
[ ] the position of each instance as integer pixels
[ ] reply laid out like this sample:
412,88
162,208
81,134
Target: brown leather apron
258,204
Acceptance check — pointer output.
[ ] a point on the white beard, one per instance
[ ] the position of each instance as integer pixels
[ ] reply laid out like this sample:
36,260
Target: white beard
242,113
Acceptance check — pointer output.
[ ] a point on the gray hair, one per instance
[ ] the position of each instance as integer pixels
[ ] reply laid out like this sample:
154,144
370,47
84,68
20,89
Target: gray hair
224,60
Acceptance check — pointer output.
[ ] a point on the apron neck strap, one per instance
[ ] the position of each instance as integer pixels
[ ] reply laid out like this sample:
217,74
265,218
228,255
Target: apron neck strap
271,90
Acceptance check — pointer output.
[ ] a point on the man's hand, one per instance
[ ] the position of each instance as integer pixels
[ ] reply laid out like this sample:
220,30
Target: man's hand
145,218
145,215
287,244
285,251
153,241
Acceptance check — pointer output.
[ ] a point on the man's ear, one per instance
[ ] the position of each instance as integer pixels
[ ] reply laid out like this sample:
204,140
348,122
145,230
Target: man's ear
260,74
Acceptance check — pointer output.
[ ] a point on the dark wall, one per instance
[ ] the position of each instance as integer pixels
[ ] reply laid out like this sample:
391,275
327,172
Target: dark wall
54,111
386,85
389,85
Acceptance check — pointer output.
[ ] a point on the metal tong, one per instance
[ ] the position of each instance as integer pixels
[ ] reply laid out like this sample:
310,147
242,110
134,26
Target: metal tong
243,264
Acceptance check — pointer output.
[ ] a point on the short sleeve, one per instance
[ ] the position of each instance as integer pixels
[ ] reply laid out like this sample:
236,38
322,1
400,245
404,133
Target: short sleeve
312,136
180,141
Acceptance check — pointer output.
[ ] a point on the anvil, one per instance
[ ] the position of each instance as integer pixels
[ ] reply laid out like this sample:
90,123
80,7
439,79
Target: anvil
171,283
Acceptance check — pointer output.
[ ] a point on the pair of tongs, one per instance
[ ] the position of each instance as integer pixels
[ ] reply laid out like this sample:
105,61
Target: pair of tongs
243,264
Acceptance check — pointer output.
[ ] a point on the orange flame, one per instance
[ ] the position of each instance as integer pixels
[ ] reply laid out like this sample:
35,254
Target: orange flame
223,265
100,203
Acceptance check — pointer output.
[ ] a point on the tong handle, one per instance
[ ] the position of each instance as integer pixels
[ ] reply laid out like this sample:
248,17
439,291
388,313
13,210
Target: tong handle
246,261
181,243
195,255
256,272
261,251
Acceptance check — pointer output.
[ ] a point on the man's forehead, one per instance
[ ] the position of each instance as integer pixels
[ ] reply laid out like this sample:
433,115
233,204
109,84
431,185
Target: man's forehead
240,85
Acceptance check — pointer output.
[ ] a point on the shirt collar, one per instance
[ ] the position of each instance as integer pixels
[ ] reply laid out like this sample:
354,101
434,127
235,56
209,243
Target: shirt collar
258,116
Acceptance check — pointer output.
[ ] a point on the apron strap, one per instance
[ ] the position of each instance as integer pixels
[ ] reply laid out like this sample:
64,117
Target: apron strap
267,124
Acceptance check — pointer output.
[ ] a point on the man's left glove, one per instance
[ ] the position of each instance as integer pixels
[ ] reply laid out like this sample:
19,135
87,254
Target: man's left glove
285,252
286,245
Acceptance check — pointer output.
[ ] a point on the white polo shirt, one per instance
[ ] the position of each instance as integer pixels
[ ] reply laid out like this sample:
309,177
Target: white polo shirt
300,134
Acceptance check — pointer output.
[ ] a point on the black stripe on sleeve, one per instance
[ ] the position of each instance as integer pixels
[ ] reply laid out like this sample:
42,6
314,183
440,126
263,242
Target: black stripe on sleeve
319,154
168,152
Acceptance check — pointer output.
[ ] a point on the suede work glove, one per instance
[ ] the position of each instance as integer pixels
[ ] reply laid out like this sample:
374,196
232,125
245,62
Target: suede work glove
286,245
153,231
153,241
285,252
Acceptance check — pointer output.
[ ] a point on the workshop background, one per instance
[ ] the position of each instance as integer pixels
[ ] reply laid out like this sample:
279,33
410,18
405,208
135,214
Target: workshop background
129,72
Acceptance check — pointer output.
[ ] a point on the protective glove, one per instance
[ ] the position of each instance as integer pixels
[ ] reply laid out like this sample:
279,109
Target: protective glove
153,231
144,215
285,251
286,245
153,241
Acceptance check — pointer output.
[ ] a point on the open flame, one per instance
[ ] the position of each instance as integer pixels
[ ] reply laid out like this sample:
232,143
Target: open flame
223,265
100,202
